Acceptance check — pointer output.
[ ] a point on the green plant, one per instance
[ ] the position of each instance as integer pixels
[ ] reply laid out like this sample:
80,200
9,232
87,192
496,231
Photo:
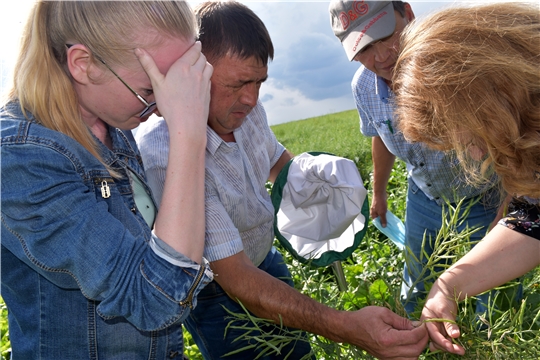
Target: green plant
262,335
5,344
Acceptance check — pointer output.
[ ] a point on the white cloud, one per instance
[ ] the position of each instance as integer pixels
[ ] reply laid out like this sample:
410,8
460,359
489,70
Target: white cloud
310,74
286,104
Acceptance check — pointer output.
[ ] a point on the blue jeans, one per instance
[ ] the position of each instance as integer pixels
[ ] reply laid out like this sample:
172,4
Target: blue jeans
425,215
208,321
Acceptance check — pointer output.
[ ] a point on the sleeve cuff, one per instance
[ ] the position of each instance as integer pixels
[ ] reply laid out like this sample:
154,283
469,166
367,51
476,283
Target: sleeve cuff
167,253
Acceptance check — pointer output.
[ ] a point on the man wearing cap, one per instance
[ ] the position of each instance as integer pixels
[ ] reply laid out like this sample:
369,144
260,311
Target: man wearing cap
369,32
242,153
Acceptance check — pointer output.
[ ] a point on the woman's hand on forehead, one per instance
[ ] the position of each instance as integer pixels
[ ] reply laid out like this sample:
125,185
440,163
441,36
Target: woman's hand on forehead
184,91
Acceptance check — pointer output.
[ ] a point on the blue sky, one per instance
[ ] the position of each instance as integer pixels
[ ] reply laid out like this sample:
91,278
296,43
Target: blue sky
310,74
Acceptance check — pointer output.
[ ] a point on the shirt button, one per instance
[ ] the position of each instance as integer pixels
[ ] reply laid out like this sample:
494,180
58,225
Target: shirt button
422,164
428,185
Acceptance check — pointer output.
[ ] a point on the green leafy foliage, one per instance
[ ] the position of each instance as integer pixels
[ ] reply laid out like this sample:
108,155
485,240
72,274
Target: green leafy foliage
5,344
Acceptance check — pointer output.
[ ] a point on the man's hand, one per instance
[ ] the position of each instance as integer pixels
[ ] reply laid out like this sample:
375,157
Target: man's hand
384,334
383,162
378,208
375,329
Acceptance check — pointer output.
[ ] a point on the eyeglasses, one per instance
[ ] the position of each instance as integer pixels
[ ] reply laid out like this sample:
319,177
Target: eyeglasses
150,107
389,42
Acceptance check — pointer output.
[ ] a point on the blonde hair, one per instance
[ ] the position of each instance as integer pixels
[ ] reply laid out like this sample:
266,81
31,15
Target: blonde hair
470,75
42,83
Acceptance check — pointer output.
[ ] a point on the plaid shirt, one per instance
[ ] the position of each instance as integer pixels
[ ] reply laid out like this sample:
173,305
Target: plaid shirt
436,173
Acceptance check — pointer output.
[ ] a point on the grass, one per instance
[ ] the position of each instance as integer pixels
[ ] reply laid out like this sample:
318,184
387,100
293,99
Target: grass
5,345
373,272
335,133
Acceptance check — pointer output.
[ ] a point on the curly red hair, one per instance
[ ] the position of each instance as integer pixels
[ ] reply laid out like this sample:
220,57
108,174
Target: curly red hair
470,75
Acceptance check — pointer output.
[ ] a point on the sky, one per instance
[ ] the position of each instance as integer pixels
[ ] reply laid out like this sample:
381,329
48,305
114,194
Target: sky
309,76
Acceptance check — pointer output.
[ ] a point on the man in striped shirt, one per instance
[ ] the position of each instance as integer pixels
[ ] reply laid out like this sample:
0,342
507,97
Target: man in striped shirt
242,154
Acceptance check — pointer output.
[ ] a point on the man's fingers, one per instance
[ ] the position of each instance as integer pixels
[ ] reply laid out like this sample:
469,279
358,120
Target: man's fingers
414,334
433,346
383,219
377,210
416,323
408,343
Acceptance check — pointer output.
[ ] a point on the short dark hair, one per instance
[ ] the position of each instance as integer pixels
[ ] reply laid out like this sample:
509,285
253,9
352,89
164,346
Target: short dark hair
231,28
399,6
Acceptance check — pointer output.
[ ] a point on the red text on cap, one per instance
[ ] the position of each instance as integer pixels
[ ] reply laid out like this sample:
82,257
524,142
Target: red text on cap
358,8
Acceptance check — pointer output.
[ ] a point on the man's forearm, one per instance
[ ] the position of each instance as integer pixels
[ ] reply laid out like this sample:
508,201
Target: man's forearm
374,329
383,162
276,169
270,298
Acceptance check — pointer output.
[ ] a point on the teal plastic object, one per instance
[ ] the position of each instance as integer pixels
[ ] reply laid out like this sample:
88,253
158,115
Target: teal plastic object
330,256
394,230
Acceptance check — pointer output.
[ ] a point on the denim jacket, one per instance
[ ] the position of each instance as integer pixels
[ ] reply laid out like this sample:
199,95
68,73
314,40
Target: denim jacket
83,276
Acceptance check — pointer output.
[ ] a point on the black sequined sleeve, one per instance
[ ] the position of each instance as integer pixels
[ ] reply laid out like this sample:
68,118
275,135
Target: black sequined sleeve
523,217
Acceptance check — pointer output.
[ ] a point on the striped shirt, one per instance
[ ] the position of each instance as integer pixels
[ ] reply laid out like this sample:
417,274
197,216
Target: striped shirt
239,211
436,173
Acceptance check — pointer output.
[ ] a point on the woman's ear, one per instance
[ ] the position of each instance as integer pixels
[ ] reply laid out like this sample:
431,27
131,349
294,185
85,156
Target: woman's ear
79,62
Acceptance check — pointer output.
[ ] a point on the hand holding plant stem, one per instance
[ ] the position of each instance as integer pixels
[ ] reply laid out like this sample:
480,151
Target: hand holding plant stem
503,255
439,315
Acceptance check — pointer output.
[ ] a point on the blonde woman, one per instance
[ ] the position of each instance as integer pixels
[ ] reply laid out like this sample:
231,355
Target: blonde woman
89,270
468,79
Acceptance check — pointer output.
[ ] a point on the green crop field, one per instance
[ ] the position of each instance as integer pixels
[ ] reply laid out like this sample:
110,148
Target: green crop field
373,272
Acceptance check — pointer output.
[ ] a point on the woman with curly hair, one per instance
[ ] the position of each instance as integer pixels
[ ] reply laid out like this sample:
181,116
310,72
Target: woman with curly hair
468,80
